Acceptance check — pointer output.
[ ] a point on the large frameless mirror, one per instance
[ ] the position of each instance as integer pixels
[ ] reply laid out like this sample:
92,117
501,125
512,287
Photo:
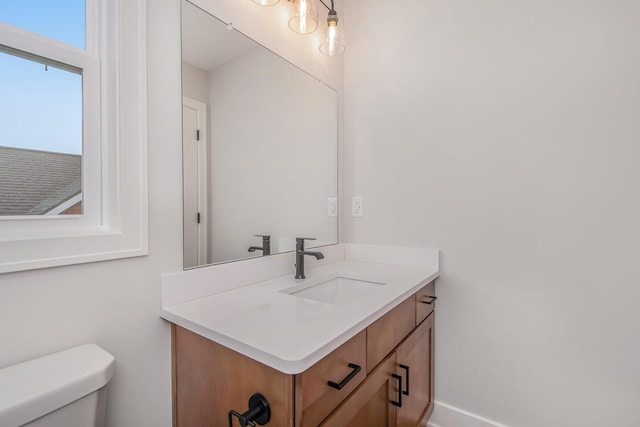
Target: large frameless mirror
259,147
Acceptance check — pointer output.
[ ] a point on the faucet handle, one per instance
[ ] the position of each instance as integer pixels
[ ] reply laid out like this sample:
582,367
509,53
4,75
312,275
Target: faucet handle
268,236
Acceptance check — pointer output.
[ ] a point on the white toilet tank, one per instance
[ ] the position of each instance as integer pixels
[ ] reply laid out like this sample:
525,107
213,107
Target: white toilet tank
65,389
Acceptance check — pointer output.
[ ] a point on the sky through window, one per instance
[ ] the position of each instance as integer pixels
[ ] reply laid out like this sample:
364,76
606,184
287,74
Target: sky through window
41,107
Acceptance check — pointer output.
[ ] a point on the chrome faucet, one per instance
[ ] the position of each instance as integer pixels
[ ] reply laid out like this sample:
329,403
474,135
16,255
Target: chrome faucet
266,245
300,254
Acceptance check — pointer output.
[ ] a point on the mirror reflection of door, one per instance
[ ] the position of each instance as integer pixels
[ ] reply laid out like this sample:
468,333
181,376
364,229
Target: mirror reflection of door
194,155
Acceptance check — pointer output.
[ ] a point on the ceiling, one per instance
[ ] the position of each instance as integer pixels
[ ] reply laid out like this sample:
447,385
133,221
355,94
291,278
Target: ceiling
206,41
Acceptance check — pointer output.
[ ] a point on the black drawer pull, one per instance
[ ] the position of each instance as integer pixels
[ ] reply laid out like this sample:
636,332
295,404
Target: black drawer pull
399,402
406,368
348,378
433,299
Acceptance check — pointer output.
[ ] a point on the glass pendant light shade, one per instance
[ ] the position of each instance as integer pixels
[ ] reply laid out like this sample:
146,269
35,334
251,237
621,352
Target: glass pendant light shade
334,44
304,16
266,2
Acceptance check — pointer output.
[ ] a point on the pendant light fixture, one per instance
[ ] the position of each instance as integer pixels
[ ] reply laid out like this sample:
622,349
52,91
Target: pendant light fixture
266,2
304,20
334,44
304,16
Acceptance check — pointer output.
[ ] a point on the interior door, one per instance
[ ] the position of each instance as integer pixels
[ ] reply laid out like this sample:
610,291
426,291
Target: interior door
194,158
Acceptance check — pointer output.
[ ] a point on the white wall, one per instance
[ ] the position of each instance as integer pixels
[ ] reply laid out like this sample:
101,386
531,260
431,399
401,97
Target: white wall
195,83
273,155
506,133
115,304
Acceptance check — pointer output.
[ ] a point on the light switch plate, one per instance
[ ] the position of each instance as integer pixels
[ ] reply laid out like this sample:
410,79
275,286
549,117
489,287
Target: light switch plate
356,206
332,206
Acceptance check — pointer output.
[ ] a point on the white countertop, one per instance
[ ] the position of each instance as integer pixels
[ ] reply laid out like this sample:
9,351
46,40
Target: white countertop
290,333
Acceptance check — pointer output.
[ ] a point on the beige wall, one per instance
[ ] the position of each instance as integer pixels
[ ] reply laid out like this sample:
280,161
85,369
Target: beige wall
506,133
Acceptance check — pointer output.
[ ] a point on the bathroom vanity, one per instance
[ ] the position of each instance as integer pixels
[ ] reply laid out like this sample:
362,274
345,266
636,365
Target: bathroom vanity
351,345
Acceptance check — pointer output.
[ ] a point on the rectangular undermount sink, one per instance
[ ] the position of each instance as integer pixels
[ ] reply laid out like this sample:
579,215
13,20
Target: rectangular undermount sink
336,290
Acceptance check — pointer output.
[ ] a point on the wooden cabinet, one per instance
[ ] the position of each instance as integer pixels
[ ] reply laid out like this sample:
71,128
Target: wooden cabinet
383,376
425,302
369,405
209,380
415,363
345,368
399,391
385,334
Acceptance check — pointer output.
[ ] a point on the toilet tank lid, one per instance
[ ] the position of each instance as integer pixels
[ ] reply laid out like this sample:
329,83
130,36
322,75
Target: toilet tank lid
32,389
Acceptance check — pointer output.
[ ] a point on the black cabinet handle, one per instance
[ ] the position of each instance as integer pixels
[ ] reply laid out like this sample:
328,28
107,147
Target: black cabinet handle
406,368
258,412
399,402
348,378
433,299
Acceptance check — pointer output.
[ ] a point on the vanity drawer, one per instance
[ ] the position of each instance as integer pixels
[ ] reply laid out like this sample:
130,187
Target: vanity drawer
344,367
425,302
388,331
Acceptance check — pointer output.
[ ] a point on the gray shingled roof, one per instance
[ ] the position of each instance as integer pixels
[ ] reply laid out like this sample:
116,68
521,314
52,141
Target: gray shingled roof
34,182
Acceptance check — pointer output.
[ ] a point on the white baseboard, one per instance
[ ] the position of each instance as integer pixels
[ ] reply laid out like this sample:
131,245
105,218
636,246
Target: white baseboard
445,415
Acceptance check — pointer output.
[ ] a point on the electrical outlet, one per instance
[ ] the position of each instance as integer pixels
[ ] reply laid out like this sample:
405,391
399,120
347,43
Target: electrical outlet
332,207
356,206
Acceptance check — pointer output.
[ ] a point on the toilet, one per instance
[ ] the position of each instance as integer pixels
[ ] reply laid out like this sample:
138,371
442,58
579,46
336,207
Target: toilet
65,389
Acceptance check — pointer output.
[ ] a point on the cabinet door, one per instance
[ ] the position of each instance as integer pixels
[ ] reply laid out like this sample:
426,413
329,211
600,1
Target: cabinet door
415,364
370,405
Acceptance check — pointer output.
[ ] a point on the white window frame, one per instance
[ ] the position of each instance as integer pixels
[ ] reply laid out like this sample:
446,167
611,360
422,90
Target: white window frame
114,158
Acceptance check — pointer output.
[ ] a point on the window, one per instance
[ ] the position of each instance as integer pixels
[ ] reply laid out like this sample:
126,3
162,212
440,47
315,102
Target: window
72,138
40,136
63,21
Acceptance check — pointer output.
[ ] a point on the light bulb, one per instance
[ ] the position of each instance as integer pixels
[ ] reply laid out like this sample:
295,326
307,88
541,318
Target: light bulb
266,2
303,8
332,39
334,44
302,12
304,16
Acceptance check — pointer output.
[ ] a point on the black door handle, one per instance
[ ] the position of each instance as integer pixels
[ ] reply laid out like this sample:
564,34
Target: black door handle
399,402
348,378
406,368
